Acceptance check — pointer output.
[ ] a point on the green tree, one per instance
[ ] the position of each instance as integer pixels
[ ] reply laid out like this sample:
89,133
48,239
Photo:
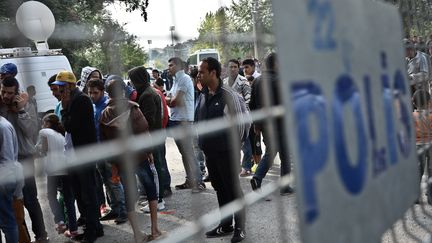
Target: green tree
230,29
85,32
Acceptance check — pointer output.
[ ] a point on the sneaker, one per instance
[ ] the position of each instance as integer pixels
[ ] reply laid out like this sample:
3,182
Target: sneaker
109,216
286,191
160,207
219,231
254,167
121,219
255,183
104,209
199,188
185,185
81,221
244,173
71,234
60,228
238,236
206,178
167,192
41,240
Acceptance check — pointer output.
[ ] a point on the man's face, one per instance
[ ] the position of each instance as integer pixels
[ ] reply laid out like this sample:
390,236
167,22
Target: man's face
95,94
172,68
8,94
410,52
248,69
204,76
233,69
155,75
55,91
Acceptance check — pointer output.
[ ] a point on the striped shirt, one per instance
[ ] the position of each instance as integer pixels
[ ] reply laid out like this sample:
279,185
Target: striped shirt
242,86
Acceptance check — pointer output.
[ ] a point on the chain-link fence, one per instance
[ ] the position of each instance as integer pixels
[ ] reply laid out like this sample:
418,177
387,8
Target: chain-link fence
271,216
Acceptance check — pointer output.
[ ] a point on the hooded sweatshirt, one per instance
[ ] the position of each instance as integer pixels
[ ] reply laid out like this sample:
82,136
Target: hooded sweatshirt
122,114
118,115
149,101
85,76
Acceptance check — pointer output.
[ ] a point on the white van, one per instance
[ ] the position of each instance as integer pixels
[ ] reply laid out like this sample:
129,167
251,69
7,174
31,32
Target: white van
197,56
36,21
36,70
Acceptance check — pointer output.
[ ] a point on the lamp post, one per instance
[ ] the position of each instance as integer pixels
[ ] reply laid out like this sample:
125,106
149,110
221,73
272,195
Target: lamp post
172,29
150,52
254,27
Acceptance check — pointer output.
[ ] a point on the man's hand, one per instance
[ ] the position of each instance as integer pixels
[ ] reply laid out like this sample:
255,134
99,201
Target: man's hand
65,96
257,129
150,158
20,101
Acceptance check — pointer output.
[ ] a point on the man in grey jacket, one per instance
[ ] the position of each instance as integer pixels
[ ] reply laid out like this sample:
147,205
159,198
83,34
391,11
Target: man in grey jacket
21,114
8,154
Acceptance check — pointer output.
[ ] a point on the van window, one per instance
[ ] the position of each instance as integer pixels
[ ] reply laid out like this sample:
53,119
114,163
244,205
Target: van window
193,60
205,55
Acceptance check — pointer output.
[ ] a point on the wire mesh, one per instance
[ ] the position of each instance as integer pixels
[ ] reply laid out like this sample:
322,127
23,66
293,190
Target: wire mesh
414,226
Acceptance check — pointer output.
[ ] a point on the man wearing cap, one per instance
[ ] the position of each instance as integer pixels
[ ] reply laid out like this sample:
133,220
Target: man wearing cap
8,70
22,115
78,120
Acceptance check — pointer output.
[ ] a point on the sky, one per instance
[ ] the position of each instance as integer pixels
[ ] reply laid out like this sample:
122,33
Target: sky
185,15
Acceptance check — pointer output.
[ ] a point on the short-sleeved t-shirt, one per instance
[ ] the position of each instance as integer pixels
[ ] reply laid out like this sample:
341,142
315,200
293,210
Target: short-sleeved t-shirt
185,112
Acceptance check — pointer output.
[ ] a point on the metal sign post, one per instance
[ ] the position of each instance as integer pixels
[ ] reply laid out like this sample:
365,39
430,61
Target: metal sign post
348,116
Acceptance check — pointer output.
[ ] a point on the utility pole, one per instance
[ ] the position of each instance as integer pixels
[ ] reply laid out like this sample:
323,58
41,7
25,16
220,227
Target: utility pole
150,52
254,27
172,29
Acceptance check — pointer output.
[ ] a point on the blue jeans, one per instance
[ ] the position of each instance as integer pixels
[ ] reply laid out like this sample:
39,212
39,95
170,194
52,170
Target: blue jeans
53,182
146,176
185,147
247,155
115,191
166,177
7,217
199,156
270,153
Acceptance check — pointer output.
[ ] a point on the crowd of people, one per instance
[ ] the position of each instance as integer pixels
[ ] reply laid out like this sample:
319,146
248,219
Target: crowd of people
418,55
94,109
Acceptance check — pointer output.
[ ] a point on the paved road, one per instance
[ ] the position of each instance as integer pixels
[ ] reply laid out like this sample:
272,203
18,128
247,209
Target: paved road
183,207
267,220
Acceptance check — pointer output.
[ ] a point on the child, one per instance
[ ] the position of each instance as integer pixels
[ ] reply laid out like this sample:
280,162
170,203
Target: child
50,144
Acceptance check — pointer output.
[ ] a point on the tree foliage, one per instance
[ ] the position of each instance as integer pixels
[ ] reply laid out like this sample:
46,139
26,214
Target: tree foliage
230,30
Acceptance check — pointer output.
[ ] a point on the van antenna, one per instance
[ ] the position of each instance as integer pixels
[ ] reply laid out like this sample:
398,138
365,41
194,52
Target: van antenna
36,21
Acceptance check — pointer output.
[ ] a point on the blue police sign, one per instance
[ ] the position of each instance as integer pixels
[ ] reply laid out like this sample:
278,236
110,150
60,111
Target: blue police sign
349,116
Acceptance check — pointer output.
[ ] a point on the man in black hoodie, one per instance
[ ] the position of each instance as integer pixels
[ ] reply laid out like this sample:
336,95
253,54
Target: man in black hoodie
274,142
150,104
78,121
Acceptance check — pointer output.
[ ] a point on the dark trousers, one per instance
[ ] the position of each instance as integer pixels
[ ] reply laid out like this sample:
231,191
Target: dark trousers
83,186
53,182
32,205
223,172
272,148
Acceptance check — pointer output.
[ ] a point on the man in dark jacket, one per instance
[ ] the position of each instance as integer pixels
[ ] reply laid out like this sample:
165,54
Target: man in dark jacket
221,154
78,120
275,142
150,104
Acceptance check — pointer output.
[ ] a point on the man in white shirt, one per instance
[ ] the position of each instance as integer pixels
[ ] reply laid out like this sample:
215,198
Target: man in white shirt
180,99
